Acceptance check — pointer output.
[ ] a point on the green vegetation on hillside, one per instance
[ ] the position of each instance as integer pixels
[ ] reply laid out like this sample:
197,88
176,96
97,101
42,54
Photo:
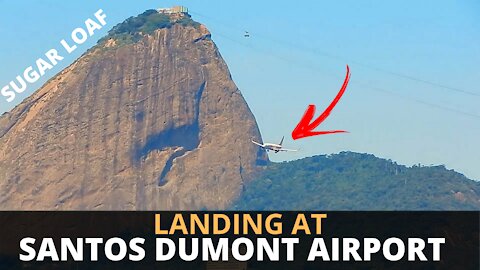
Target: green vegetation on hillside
353,181
132,29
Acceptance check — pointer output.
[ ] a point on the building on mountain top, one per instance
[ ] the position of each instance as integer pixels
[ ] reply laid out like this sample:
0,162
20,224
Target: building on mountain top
174,10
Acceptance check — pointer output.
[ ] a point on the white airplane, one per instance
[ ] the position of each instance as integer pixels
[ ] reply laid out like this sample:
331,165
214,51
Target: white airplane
273,146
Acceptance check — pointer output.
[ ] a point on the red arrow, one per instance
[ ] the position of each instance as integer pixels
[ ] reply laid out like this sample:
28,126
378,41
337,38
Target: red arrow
305,127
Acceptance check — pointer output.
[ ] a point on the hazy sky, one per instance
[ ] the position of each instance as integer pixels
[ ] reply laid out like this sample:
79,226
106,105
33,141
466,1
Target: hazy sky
413,95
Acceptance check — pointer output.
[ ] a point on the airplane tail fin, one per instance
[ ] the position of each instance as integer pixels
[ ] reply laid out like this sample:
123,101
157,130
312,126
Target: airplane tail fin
281,140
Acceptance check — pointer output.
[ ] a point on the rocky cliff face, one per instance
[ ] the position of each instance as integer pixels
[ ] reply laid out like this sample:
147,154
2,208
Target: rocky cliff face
156,123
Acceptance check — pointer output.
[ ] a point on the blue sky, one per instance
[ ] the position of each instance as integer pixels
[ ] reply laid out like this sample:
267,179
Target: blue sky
296,55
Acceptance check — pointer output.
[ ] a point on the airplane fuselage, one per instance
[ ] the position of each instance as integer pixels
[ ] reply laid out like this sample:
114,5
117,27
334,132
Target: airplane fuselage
272,147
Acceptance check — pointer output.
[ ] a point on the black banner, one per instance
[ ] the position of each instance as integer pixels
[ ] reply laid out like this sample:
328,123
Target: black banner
240,240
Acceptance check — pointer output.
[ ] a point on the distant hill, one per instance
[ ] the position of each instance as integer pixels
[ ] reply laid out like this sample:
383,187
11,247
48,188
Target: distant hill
354,181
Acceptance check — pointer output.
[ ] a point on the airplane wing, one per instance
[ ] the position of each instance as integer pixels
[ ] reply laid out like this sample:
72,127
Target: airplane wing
288,150
259,144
